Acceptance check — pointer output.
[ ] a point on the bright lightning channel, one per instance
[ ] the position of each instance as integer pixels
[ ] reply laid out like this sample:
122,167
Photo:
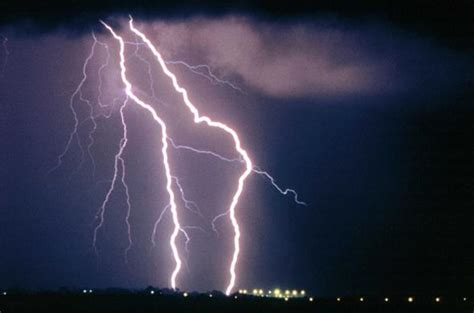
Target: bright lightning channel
164,150
238,147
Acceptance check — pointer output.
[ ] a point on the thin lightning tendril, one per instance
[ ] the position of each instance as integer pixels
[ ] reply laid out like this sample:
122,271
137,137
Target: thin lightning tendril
208,74
256,169
119,161
74,132
101,69
188,204
204,119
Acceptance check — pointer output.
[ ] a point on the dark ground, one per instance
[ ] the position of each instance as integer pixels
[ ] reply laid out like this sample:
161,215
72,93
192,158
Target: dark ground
61,303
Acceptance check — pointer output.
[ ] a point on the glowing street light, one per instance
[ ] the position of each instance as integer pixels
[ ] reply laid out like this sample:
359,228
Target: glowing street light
338,299
437,299
185,294
303,292
410,299
361,299
386,300
152,292
311,299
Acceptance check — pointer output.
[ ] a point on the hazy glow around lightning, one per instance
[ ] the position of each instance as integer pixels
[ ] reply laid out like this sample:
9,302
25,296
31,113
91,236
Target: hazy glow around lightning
173,207
238,147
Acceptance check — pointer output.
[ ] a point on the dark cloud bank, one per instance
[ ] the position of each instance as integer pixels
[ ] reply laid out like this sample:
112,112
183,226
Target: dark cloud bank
449,21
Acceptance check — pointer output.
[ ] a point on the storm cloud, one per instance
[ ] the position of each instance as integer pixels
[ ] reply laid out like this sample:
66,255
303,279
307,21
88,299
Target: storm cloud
318,58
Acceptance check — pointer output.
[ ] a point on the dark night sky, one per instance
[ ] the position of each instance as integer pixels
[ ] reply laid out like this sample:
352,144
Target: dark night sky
374,130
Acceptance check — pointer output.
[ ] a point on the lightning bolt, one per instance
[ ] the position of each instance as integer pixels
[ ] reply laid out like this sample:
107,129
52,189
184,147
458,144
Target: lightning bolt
172,182
164,150
198,118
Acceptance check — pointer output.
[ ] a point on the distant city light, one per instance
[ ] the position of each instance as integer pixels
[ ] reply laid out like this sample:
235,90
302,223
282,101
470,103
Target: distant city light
338,299
152,292
275,293
84,291
410,299
286,299
4,293
210,295
235,297
437,299
464,299
311,299
185,294
90,290
386,299
361,299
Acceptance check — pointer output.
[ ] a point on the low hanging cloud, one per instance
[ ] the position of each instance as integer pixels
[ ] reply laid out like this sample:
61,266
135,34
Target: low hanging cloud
325,58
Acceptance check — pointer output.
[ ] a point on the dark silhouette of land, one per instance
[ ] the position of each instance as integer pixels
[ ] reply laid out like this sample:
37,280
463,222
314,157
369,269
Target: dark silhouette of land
155,300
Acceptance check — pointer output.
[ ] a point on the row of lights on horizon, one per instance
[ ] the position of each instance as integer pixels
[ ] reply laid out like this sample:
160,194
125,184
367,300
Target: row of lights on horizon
294,294
275,294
